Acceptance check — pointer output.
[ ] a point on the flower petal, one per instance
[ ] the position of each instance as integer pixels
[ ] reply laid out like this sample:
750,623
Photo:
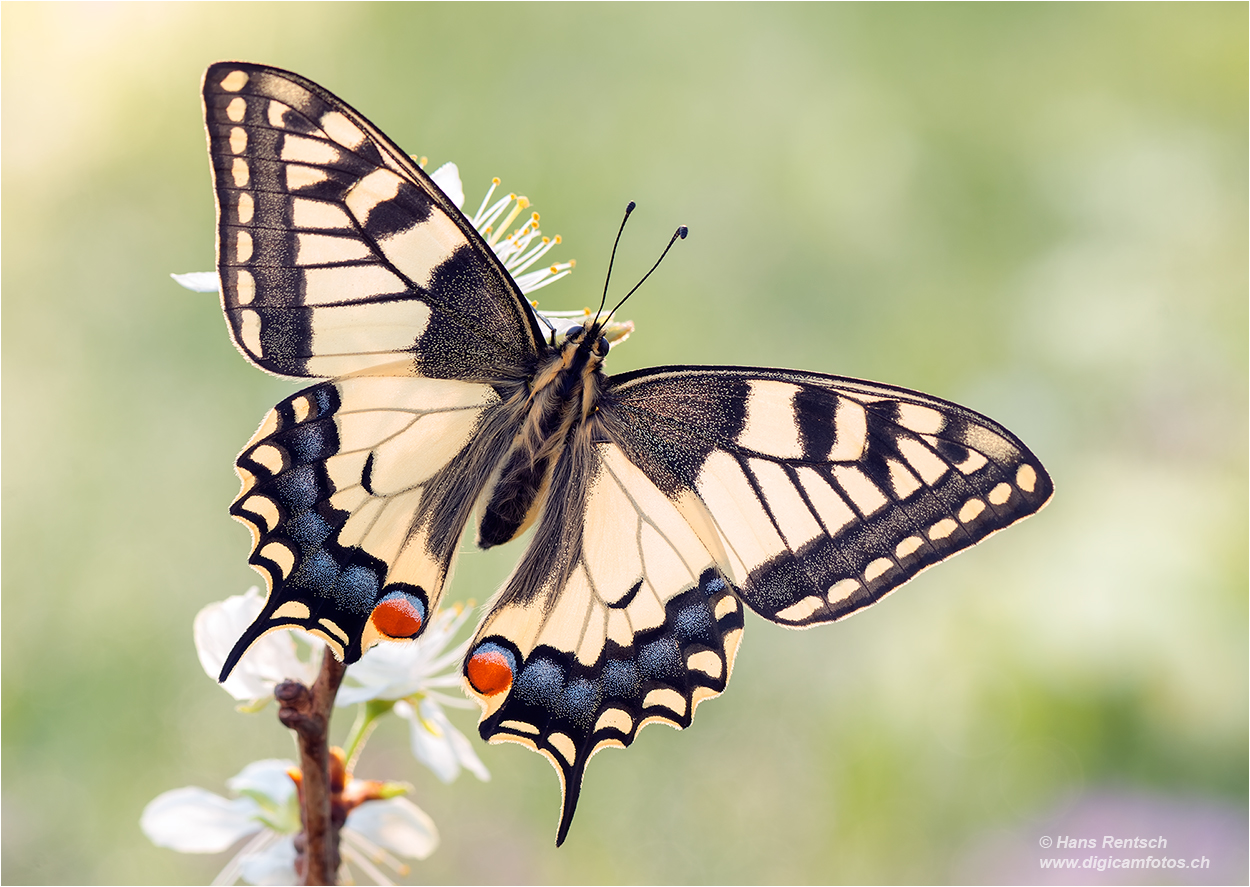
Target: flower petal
194,820
273,865
396,824
382,673
395,670
269,777
271,660
447,177
437,744
199,281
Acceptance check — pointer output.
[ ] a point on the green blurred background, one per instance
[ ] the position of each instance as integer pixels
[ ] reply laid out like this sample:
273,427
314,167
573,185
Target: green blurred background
1039,211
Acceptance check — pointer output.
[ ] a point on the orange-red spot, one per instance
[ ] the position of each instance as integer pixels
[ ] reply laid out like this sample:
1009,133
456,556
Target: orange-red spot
397,618
489,672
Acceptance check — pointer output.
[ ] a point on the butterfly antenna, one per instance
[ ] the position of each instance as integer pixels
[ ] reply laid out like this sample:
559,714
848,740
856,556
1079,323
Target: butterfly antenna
542,318
679,233
628,209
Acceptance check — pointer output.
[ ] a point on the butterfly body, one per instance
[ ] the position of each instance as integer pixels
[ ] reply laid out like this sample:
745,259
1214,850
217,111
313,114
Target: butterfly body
557,402
663,502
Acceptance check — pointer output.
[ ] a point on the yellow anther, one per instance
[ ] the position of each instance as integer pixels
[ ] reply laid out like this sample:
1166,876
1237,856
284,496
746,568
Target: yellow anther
495,181
423,161
554,270
546,240
523,202
534,217
572,262
558,241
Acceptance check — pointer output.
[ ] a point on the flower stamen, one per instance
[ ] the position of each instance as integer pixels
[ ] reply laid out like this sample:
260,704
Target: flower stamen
521,203
349,855
493,212
374,853
477,216
522,249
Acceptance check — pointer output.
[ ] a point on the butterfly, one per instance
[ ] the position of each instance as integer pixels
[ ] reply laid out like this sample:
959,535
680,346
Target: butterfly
664,502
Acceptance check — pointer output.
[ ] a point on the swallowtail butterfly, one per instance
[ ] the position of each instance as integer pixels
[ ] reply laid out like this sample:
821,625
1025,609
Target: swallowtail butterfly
665,502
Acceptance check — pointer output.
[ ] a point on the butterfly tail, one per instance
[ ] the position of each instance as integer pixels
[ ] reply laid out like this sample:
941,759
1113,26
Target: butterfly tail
572,784
348,652
253,634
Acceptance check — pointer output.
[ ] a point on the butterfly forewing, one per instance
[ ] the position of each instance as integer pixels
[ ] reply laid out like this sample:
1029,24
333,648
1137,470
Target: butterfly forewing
336,253
824,493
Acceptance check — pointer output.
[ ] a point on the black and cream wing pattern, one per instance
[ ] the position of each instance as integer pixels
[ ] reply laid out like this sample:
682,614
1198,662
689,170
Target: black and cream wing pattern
339,258
664,503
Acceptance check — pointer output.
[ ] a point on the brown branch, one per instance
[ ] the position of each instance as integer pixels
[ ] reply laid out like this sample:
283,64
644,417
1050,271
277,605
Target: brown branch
307,712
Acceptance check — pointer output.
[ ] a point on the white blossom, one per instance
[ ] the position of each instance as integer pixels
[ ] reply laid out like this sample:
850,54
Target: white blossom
413,676
195,820
272,659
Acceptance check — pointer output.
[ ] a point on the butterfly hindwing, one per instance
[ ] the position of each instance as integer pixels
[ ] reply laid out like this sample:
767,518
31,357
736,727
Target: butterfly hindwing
336,253
617,616
824,493
356,492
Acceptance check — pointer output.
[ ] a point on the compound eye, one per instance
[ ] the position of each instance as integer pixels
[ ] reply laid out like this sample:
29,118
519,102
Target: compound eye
601,347
574,333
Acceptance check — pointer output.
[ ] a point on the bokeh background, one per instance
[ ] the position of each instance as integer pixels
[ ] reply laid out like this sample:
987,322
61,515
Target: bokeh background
1039,211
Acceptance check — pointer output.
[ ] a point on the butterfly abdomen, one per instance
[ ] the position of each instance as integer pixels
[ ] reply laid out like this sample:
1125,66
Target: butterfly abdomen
562,395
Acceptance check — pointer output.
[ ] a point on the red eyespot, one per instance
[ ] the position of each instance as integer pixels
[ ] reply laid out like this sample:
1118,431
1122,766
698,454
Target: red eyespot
396,617
490,669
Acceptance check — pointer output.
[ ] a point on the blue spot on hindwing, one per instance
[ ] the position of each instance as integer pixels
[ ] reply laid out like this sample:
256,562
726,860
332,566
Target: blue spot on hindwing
621,679
660,661
713,586
693,624
357,588
324,396
579,703
296,490
311,442
316,572
540,683
308,530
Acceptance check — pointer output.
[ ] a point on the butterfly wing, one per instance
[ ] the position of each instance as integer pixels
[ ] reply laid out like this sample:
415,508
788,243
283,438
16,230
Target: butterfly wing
336,253
338,257
617,616
808,497
824,493
356,492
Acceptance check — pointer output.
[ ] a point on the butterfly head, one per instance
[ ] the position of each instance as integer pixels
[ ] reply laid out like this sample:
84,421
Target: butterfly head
589,338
